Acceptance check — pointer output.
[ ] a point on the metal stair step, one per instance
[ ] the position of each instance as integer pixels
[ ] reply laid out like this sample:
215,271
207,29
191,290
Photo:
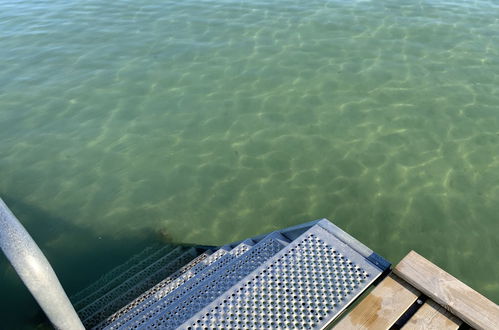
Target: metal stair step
102,307
180,276
304,286
176,290
114,279
112,274
172,315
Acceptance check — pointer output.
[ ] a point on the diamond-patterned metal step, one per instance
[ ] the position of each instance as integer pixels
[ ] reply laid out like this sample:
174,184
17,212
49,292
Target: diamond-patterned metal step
172,315
176,291
304,286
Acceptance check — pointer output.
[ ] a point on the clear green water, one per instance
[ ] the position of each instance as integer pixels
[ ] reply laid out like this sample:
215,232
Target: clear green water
210,121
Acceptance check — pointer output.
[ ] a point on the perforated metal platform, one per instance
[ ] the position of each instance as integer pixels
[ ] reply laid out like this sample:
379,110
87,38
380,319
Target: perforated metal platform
304,286
297,278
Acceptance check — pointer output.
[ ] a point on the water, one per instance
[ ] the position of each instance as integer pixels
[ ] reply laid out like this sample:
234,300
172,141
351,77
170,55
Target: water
211,121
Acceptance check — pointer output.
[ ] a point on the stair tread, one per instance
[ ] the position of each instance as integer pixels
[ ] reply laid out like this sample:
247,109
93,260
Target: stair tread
109,302
305,285
111,275
172,314
176,279
108,285
215,262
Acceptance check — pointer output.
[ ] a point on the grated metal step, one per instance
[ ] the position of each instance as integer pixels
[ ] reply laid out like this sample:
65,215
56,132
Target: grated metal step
111,275
121,273
172,315
304,286
135,285
175,280
172,293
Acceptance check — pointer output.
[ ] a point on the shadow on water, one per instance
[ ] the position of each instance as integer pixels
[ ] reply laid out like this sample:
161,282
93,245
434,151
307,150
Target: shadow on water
78,255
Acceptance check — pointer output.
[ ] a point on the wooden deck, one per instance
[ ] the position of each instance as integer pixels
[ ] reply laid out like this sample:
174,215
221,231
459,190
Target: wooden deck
419,295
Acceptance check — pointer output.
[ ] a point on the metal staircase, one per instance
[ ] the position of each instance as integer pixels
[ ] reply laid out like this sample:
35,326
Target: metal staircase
301,277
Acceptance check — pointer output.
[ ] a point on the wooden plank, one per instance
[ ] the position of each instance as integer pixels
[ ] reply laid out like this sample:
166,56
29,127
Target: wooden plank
382,307
432,316
455,296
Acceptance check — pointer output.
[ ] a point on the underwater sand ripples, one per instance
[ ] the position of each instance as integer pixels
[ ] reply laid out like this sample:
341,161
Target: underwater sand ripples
238,118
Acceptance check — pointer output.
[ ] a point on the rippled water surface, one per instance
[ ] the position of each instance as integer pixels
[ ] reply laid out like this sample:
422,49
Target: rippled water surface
210,121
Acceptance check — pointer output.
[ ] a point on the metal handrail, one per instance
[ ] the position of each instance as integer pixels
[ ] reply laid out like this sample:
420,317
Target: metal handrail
35,271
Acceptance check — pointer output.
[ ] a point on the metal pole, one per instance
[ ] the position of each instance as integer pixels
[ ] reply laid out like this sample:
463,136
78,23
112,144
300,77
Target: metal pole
36,272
